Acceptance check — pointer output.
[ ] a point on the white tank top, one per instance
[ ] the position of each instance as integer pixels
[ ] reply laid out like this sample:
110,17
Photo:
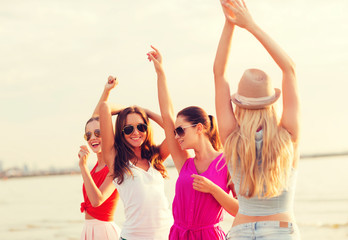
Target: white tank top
146,207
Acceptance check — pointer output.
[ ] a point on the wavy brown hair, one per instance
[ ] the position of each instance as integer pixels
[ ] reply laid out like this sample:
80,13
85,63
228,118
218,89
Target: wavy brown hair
124,151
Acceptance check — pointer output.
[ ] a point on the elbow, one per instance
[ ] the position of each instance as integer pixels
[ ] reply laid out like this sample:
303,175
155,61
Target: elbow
167,116
96,203
217,72
235,209
103,106
291,68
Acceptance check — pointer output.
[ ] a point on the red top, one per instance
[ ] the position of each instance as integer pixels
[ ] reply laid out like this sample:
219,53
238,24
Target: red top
104,212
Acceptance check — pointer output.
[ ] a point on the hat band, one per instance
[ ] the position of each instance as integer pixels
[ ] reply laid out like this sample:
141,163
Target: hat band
254,101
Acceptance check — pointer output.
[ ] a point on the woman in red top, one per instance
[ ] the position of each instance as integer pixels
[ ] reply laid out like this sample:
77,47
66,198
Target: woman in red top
100,194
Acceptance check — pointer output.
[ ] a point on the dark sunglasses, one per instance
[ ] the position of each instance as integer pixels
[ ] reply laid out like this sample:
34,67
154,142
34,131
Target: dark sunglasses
129,129
88,135
181,130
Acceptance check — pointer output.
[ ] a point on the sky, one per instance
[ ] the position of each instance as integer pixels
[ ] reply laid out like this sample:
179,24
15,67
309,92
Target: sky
56,57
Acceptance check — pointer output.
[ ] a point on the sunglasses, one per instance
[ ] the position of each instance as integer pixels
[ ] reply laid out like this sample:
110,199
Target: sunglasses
129,129
181,130
88,135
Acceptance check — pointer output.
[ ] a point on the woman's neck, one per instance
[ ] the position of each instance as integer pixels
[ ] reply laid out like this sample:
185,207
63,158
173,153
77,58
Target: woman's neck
139,161
137,157
101,162
205,151
205,155
137,152
100,159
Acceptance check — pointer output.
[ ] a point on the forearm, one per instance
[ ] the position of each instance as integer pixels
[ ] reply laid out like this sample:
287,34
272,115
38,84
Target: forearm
104,97
223,50
107,134
277,53
155,117
227,201
165,102
115,108
94,194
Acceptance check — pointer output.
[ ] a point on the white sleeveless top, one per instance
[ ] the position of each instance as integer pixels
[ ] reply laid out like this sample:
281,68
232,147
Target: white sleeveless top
146,207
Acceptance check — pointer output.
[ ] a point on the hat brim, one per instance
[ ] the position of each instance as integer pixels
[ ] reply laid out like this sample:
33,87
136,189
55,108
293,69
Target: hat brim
257,106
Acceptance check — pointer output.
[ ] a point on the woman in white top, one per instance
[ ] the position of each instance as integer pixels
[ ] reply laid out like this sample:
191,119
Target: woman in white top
136,164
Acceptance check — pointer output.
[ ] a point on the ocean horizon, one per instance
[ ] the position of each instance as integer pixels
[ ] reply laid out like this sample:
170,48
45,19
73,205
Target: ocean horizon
48,207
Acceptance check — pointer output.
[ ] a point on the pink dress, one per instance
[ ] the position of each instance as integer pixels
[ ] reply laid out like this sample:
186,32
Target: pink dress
196,214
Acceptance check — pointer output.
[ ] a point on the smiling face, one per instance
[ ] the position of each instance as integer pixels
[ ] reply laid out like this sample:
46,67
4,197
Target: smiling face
94,142
190,137
136,138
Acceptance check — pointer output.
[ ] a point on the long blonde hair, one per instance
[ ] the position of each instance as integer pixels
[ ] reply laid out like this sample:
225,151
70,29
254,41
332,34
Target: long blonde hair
265,176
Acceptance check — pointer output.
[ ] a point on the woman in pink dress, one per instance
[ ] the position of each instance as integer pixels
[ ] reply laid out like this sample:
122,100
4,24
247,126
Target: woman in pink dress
196,214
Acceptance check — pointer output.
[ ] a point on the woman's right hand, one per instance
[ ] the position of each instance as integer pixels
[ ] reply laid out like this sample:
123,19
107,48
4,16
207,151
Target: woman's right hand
83,155
112,82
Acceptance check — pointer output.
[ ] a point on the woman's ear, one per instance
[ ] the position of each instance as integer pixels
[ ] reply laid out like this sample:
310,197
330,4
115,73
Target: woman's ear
200,128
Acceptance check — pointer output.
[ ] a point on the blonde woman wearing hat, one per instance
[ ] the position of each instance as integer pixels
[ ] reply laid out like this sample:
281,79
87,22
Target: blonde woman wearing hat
261,151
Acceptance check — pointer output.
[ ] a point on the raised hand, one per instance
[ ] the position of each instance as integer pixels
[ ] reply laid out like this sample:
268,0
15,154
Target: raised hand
226,10
83,155
112,82
236,12
156,57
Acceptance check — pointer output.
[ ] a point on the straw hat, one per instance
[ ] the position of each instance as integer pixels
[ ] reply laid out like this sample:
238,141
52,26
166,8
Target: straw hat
255,90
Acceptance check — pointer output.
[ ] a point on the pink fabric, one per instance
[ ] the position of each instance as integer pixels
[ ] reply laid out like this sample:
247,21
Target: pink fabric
196,214
94,229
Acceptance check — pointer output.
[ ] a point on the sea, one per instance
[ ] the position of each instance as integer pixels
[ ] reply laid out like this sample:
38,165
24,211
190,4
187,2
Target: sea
48,207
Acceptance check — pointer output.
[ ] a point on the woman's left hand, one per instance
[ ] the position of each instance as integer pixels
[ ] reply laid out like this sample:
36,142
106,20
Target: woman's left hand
239,13
202,184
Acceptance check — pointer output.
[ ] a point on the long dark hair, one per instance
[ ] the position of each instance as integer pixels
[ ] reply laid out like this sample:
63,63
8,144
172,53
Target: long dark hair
124,151
197,115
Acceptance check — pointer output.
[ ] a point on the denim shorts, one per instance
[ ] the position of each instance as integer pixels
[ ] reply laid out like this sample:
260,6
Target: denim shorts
265,230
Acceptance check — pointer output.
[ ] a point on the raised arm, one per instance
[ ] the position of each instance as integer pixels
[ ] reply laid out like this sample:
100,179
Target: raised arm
164,150
179,156
154,116
291,104
107,135
112,82
224,109
96,195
